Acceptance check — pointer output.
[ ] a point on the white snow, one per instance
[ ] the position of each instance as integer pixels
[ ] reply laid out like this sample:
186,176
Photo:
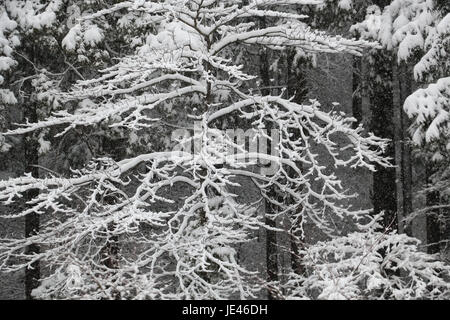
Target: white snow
92,35
70,40
345,4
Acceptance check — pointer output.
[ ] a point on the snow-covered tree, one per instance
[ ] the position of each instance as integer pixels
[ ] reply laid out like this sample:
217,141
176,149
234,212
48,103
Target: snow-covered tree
29,29
418,32
164,221
410,28
369,264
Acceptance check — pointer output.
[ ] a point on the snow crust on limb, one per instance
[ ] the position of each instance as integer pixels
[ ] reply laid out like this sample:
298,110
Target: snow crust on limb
8,40
430,109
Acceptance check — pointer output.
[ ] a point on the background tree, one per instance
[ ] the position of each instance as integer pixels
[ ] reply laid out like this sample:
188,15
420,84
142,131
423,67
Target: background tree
417,32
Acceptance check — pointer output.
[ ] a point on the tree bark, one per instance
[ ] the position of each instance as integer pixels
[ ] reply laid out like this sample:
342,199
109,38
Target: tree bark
271,255
400,91
296,88
356,92
381,105
398,143
32,273
271,237
406,90
381,101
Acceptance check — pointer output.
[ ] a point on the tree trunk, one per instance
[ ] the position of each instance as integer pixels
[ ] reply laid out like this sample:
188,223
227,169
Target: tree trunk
271,255
356,92
271,237
381,105
406,90
32,273
296,88
402,149
398,143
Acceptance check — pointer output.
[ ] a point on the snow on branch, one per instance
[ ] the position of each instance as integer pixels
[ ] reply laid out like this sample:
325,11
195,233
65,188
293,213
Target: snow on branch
429,107
370,264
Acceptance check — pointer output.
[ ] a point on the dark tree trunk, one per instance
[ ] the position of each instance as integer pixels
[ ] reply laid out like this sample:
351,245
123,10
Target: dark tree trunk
32,273
405,91
381,104
357,85
401,89
297,88
271,236
271,255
